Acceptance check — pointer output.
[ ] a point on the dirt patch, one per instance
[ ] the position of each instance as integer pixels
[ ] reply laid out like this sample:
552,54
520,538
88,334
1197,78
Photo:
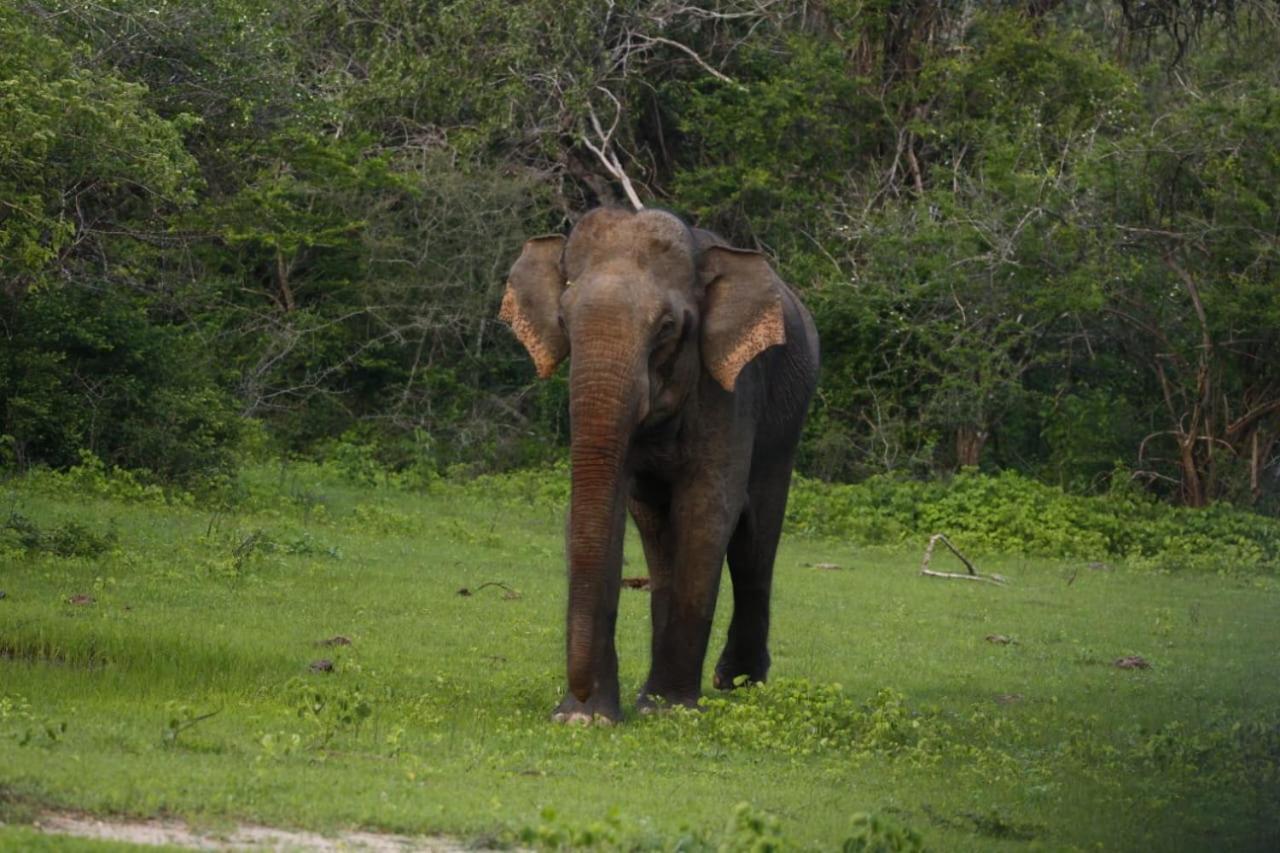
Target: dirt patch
242,837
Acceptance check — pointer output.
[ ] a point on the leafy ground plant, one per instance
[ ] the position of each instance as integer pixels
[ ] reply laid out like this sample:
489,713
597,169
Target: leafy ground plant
342,681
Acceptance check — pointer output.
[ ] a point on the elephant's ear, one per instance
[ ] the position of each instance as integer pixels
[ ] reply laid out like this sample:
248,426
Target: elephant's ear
741,310
531,304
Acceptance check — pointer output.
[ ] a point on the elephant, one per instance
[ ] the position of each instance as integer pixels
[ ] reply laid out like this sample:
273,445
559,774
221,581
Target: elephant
691,368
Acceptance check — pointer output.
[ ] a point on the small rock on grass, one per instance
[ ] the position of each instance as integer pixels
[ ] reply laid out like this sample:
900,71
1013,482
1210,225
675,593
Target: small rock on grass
635,583
999,639
81,600
321,666
1132,662
826,567
337,640
1008,698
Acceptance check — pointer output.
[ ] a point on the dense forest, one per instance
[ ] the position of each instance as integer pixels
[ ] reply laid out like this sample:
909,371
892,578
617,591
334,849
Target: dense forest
1038,236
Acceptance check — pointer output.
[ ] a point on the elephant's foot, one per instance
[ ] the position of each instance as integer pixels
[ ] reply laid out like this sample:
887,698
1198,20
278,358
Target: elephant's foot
597,710
734,672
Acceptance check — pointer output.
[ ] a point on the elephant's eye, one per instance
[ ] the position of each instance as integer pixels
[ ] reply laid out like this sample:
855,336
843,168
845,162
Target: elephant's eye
665,343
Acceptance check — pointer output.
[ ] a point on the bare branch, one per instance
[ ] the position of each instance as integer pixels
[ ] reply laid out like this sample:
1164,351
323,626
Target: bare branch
604,151
691,53
954,576
973,575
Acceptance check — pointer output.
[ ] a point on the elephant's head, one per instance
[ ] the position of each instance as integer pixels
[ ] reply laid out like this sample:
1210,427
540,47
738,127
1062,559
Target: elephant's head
652,317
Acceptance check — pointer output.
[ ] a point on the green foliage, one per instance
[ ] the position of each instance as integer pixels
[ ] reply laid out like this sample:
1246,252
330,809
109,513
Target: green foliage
71,538
800,719
753,139
553,833
1027,247
1013,514
749,829
180,717
77,145
1086,433
22,725
875,834
90,370
91,478
327,711
752,830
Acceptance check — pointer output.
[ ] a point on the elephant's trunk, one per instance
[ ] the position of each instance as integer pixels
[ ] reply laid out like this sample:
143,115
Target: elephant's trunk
602,410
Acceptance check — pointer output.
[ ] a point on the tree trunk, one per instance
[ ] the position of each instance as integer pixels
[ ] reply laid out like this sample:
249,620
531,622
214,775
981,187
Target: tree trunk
1192,488
969,444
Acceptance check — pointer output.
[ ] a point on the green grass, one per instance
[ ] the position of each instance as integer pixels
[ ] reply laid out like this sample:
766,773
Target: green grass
887,697
31,840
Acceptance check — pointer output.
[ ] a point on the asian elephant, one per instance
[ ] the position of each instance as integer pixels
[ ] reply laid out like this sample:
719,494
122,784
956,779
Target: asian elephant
691,369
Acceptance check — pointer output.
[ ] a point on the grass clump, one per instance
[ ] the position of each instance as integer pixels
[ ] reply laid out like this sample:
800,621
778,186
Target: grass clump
799,718
748,830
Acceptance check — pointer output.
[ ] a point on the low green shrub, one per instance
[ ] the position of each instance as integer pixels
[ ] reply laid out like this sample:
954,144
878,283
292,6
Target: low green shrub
1006,513
874,834
1012,514
749,829
799,718
91,477
70,538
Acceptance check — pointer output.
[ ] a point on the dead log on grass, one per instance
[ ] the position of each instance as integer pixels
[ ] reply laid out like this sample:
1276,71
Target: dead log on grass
973,575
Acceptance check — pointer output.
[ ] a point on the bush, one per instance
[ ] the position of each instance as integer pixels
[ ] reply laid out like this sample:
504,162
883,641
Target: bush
1012,514
92,370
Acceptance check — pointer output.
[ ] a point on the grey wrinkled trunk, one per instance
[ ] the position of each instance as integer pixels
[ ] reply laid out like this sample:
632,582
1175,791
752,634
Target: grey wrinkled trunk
601,411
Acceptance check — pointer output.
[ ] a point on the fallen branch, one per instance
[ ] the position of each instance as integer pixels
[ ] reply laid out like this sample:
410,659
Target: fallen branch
508,592
973,575
995,579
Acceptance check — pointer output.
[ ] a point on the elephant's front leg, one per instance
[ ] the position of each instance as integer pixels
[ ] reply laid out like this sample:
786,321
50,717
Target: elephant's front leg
684,589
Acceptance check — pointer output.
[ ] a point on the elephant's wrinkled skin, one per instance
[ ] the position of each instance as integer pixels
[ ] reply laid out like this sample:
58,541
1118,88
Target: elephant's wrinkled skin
691,372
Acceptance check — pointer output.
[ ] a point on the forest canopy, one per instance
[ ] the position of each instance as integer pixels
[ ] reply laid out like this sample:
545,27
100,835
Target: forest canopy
1036,236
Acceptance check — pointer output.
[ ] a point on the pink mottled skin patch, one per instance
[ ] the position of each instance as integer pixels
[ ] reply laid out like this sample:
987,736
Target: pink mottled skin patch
543,360
767,331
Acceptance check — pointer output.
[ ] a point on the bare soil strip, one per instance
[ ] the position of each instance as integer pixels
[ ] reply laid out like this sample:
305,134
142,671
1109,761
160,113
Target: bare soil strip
243,837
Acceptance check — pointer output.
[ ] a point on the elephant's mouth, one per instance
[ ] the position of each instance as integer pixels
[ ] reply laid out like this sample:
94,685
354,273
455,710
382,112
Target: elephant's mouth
660,425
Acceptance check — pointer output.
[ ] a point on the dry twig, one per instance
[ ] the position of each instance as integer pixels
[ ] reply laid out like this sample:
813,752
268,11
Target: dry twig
605,152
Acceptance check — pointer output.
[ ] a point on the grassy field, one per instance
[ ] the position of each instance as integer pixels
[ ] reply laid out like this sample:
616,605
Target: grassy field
170,660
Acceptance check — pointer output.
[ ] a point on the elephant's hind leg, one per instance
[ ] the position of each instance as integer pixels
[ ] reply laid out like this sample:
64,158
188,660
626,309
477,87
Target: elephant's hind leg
751,553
